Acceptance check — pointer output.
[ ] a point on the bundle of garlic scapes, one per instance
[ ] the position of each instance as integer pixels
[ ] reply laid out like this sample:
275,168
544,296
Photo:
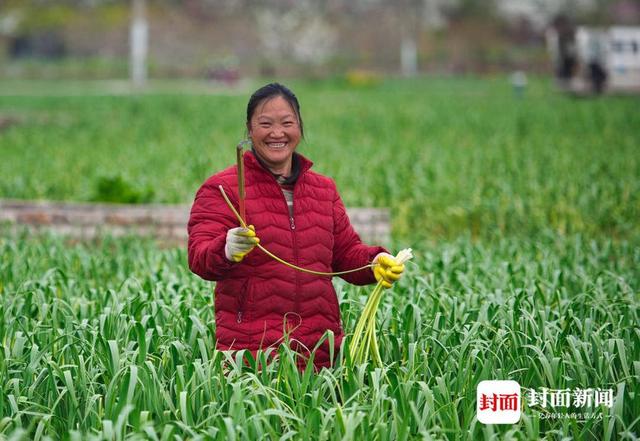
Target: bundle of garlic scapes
364,337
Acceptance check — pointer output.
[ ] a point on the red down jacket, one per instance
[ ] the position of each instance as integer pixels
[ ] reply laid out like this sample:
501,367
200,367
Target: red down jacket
258,298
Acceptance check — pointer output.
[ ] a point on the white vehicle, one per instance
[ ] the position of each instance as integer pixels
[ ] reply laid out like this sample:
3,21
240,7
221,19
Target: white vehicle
600,59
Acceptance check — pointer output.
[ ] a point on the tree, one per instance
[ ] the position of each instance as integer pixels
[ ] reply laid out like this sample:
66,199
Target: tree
296,30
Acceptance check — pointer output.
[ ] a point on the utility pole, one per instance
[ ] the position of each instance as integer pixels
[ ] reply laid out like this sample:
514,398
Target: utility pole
409,17
409,56
138,40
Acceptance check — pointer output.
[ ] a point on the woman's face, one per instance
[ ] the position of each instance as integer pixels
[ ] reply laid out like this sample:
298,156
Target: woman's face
275,133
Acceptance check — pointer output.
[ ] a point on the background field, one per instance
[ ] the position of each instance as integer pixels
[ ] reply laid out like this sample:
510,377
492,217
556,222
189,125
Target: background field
447,156
523,214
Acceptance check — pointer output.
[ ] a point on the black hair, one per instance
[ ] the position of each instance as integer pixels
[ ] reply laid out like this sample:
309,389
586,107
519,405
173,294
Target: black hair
270,91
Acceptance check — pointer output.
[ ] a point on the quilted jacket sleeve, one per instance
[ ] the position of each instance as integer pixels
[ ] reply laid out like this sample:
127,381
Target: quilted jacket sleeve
209,221
348,250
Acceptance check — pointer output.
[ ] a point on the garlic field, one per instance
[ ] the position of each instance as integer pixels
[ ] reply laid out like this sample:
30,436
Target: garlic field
523,219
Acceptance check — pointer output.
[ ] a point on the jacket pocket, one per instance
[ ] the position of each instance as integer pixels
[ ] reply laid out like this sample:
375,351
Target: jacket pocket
243,301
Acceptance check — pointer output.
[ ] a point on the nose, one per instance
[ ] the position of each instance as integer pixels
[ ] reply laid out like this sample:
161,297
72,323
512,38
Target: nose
277,131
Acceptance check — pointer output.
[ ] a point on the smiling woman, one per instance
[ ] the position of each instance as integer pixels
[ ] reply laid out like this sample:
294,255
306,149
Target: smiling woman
299,216
275,129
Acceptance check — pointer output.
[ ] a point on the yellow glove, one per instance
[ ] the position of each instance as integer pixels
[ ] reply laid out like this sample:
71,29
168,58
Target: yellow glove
240,242
387,269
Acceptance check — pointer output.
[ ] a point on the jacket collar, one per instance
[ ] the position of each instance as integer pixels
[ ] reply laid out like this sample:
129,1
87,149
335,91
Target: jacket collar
251,161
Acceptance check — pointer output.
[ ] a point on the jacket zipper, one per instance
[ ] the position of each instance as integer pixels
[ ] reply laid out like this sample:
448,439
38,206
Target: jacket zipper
292,227
296,303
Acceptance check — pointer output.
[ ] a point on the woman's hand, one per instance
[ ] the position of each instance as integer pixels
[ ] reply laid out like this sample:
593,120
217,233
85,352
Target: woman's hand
240,242
387,269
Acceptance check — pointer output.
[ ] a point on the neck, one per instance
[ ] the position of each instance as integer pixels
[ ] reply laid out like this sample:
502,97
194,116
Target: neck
283,170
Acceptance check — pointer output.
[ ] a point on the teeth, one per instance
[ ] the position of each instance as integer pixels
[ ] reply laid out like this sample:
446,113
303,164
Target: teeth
276,144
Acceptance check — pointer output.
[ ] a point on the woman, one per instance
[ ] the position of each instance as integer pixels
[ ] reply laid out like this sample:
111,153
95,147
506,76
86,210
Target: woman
299,216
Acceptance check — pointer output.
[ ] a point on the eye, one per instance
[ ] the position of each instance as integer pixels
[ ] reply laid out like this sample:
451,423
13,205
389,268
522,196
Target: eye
288,124
265,125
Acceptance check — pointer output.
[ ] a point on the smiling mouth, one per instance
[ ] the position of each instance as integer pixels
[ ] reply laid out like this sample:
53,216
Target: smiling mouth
276,145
